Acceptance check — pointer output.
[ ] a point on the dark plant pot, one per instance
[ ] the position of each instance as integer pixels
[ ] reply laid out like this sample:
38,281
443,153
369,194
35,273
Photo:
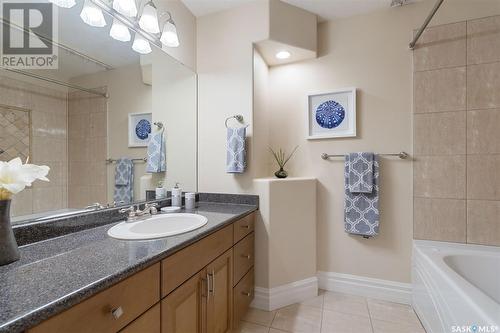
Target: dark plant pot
281,173
9,251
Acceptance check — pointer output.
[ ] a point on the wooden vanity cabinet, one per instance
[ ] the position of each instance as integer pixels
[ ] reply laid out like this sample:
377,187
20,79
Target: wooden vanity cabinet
203,288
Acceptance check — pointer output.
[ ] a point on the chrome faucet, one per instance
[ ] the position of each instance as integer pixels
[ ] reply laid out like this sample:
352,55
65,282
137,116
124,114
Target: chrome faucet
95,206
137,214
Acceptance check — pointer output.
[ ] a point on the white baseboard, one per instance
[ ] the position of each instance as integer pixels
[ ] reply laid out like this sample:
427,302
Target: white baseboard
278,297
359,285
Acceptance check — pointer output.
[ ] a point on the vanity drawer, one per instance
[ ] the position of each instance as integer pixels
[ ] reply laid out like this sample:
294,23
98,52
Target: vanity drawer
180,266
243,257
242,297
134,295
243,227
149,322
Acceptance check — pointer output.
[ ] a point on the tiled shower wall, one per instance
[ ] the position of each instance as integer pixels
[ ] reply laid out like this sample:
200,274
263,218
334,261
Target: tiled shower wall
87,126
48,110
457,133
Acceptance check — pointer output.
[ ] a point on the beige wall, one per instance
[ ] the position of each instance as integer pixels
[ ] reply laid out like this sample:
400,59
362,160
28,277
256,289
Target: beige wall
127,94
456,126
369,52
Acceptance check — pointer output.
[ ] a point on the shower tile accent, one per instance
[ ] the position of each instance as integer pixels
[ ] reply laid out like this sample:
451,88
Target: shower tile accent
440,219
441,46
457,153
87,123
440,90
483,82
15,133
483,40
483,222
440,133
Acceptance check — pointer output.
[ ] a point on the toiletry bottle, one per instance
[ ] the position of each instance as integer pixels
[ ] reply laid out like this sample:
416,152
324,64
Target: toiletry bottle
177,196
190,200
160,191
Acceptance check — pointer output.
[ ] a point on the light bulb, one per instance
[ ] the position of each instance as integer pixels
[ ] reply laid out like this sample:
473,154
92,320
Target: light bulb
283,55
63,3
149,19
125,7
92,15
141,45
119,31
169,36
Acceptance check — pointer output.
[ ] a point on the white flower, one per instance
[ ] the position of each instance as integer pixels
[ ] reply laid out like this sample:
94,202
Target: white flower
15,176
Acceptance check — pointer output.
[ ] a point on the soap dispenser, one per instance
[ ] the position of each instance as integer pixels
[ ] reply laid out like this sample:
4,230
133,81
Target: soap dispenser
177,196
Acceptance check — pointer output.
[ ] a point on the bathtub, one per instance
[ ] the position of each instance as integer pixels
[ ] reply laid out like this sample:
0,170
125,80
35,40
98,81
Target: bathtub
456,287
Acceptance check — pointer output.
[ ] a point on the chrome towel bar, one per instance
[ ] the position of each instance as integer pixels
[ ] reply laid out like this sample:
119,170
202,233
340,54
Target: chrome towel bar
402,155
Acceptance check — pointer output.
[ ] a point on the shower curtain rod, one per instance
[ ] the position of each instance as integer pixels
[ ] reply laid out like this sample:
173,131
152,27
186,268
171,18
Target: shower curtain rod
48,79
426,23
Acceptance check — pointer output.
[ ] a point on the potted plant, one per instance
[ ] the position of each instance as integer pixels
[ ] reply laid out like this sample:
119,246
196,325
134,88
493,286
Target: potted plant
14,177
282,160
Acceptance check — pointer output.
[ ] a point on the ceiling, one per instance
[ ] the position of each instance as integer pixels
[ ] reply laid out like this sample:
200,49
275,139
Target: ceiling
325,9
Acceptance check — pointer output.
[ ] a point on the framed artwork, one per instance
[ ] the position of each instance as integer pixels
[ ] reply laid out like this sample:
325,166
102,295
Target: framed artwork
332,115
139,129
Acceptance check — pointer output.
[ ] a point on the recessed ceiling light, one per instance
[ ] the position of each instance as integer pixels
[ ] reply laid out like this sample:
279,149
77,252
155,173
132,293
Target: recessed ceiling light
283,55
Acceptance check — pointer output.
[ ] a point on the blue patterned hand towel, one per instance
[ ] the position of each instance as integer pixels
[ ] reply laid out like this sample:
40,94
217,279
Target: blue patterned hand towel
156,153
361,172
124,180
361,212
236,150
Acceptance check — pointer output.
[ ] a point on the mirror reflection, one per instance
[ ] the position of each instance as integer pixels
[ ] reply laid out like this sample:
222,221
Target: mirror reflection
110,122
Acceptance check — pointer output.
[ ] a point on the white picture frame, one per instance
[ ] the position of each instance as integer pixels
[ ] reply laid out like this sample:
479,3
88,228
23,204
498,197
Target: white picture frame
332,115
136,135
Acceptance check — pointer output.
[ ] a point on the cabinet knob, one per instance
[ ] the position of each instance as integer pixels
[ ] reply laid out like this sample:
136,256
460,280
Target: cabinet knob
245,226
117,312
247,256
246,293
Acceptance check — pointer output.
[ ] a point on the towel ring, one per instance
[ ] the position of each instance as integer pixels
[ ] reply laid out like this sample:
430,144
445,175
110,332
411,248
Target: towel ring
159,124
238,118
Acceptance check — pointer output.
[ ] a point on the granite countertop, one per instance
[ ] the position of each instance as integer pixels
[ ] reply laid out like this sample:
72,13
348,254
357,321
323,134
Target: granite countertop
57,273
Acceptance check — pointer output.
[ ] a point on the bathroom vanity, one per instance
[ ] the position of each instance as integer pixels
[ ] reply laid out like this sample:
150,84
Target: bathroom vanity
200,281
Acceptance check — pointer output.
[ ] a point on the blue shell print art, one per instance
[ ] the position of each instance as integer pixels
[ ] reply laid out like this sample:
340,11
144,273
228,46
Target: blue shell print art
330,114
143,129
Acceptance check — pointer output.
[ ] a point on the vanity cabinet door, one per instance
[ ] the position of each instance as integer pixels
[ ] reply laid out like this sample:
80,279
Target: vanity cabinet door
220,293
183,310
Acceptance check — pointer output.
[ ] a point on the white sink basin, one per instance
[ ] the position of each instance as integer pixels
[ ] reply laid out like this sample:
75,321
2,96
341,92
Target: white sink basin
158,226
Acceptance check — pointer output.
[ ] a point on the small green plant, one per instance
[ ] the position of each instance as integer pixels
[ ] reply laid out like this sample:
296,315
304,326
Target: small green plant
282,160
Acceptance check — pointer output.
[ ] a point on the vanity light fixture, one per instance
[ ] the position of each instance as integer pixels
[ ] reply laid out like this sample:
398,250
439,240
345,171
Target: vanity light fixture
149,18
92,14
119,31
169,35
125,7
140,44
283,55
63,3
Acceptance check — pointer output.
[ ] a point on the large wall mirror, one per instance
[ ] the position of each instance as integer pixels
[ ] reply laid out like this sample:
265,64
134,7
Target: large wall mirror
92,115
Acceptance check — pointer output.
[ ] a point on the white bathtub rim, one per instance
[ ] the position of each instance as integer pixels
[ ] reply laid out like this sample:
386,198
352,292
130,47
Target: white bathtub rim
475,298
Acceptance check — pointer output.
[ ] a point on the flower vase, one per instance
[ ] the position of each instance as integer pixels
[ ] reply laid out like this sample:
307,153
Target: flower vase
281,173
9,251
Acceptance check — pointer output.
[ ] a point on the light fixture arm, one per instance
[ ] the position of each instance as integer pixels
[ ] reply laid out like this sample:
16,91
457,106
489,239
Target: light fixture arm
170,19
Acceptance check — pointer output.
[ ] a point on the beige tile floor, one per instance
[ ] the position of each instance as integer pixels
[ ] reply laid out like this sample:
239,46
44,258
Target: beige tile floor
333,312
